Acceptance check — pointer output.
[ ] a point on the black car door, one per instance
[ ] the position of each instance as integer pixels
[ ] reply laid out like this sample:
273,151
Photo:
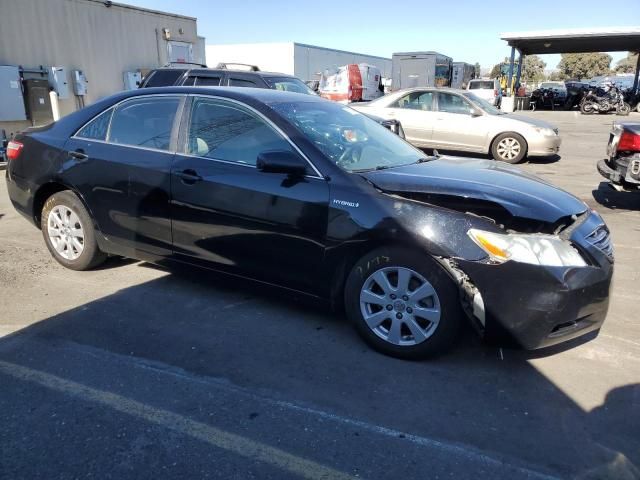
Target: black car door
228,214
120,163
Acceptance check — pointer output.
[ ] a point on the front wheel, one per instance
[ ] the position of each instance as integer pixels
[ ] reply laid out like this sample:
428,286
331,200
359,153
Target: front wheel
624,109
509,147
403,304
68,232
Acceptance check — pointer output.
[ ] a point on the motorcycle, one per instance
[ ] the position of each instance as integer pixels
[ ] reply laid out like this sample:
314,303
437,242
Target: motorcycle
603,101
542,98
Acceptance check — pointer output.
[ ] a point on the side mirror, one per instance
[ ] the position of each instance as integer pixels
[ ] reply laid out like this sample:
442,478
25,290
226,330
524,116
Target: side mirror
281,161
474,112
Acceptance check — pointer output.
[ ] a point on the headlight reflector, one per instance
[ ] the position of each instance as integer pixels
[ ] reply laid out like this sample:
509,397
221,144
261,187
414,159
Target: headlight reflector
547,132
535,249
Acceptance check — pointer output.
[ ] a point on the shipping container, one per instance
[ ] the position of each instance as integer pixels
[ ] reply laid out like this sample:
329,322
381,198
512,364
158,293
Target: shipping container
461,74
421,69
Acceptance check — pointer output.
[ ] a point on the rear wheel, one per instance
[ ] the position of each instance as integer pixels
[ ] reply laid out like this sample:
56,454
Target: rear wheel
509,147
68,231
586,108
403,304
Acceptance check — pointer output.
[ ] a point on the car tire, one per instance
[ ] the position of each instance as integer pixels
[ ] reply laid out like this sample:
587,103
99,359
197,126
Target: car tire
424,318
509,147
68,231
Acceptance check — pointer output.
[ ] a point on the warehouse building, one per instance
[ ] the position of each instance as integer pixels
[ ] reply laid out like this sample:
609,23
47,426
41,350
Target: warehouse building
83,50
307,62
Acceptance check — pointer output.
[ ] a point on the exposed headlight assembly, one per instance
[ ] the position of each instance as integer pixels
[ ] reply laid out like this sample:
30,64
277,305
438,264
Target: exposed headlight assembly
535,249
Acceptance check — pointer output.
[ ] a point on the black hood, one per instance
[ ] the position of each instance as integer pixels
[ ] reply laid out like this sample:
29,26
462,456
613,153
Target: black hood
521,194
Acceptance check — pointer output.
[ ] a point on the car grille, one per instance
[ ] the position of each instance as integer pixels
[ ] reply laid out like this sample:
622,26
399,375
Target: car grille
601,239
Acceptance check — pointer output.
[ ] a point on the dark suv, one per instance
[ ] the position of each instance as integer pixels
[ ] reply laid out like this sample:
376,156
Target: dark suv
222,76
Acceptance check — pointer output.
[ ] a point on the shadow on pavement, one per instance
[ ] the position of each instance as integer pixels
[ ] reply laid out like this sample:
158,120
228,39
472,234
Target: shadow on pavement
290,348
608,197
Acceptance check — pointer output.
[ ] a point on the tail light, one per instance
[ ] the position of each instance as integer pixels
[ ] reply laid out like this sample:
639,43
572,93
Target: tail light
629,142
14,149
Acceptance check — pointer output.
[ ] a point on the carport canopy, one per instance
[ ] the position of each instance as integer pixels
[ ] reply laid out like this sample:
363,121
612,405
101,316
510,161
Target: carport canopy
616,39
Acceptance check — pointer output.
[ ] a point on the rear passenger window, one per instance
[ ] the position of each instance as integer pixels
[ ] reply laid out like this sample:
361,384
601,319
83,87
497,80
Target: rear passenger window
97,128
239,82
224,131
163,78
207,81
144,122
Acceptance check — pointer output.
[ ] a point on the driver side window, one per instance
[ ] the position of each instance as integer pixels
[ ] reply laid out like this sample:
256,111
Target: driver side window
224,131
416,101
449,103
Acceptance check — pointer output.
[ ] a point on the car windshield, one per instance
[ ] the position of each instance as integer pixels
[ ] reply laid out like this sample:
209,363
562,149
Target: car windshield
483,104
350,139
289,84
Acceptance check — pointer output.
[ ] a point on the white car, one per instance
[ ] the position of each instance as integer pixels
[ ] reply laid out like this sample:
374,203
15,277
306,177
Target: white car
486,89
458,120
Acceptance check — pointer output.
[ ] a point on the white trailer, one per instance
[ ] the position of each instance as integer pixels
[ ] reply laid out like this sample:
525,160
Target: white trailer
307,62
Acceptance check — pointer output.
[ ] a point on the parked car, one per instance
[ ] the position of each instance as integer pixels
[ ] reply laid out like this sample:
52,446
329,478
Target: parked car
559,90
458,120
312,196
226,74
622,165
486,89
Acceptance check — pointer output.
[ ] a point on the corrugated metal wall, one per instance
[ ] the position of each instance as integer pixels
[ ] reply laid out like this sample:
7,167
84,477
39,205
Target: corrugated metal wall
87,35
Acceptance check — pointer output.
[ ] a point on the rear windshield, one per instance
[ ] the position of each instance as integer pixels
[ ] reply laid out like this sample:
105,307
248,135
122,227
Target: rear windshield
163,78
487,85
289,84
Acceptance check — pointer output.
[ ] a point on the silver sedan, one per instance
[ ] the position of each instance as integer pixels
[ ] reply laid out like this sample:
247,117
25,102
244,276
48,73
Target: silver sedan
458,120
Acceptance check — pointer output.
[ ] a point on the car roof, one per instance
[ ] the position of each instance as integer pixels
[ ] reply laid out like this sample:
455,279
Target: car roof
264,95
197,70
434,89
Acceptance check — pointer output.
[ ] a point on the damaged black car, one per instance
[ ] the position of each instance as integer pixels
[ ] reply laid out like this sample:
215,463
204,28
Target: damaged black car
314,197
622,165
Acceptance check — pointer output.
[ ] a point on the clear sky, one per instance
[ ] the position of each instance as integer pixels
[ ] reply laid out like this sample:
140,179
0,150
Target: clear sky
467,30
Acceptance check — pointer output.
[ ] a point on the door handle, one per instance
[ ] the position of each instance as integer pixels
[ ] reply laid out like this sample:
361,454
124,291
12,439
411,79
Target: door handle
189,176
78,155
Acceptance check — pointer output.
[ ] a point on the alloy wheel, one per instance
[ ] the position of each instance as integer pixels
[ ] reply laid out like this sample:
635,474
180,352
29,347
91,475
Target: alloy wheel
509,148
400,306
65,232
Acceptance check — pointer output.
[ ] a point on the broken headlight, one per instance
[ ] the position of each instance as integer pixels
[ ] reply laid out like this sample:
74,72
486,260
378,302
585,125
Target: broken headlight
535,249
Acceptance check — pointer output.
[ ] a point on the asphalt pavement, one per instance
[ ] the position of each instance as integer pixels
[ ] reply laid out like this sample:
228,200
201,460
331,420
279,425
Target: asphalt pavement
132,371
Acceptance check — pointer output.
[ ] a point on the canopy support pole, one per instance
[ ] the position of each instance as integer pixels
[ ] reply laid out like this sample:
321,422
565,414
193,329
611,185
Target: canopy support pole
635,78
510,77
519,72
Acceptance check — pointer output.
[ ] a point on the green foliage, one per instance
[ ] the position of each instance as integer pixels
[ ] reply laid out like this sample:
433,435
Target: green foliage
557,76
495,71
533,69
584,65
477,67
628,64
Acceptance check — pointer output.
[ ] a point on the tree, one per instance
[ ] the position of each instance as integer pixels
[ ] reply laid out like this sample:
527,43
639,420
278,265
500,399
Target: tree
477,72
628,64
556,76
533,69
584,65
495,71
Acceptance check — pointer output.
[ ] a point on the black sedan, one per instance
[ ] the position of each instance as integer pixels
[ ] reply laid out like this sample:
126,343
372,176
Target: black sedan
312,196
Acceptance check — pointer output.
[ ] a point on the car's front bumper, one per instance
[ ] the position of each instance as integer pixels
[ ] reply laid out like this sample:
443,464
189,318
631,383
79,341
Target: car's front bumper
543,145
543,306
